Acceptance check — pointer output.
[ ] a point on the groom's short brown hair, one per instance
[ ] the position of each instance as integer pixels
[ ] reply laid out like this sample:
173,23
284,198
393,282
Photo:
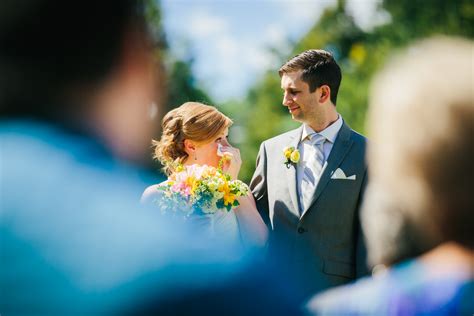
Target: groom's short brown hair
319,68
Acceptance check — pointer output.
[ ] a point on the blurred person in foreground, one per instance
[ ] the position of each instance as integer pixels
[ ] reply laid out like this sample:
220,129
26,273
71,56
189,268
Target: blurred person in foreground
76,83
422,126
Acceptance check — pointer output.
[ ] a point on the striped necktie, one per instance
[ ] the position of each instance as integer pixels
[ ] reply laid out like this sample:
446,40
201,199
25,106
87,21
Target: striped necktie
313,162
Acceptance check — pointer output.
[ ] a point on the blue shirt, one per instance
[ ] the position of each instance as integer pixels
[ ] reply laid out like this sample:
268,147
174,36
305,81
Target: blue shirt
407,289
74,239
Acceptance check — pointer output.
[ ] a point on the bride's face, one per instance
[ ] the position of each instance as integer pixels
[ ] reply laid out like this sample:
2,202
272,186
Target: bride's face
206,154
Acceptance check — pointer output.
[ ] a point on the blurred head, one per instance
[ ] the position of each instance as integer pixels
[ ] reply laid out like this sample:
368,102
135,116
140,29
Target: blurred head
85,66
421,123
192,133
309,80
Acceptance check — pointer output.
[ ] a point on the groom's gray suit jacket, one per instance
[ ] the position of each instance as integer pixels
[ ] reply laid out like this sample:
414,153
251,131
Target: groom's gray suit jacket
324,247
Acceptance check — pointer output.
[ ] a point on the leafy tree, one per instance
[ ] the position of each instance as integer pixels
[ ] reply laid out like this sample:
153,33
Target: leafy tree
182,85
360,54
176,82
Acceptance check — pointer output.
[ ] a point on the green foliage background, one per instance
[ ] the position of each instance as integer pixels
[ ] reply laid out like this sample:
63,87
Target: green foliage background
260,115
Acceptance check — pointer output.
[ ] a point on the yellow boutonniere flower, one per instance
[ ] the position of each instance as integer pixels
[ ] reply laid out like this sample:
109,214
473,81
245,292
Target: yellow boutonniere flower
292,156
295,156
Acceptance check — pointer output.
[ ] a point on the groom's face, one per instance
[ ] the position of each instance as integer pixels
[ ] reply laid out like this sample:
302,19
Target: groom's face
301,103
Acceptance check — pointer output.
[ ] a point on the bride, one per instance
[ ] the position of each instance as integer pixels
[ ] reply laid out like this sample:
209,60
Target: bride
196,134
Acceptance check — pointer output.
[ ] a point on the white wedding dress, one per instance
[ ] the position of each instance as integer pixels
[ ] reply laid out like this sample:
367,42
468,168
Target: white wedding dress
221,226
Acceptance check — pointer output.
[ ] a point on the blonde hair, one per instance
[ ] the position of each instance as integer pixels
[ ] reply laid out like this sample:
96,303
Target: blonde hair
192,120
421,123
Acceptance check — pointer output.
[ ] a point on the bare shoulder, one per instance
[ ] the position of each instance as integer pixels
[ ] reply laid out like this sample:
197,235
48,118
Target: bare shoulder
150,194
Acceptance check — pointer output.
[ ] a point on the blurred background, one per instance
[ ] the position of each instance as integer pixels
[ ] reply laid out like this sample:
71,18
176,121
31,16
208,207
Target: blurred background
227,52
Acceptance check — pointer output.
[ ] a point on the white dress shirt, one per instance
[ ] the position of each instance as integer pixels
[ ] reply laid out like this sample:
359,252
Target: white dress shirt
330,133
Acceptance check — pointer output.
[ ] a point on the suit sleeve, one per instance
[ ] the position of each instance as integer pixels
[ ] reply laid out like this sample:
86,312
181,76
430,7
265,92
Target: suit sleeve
362,268
258,185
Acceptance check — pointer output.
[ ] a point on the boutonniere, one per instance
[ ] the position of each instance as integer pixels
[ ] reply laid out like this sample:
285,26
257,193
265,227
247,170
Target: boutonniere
292,156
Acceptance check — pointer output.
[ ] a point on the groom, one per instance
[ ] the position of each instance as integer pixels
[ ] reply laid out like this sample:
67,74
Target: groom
312,203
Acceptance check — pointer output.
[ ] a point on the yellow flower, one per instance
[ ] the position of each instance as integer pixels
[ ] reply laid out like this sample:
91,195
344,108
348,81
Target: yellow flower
179,168
222,186
191,182
229,199
226,157
287,151
221,182
295,156
194,187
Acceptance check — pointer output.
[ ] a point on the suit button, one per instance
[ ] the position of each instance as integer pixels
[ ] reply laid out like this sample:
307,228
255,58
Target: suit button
301,230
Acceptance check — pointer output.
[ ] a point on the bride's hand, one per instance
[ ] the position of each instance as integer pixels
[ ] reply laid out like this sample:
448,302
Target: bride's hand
231,160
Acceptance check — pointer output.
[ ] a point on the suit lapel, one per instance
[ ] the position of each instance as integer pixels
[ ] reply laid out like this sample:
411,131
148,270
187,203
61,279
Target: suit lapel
291,173
339,151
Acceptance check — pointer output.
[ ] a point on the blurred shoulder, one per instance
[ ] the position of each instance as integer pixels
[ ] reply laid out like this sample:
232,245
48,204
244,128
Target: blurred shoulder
356,299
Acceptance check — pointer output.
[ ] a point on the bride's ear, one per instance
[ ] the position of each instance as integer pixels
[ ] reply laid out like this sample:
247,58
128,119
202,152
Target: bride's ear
189,146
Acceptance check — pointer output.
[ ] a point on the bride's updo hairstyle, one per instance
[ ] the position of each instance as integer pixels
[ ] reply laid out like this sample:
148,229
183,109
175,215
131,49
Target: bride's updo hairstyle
192,120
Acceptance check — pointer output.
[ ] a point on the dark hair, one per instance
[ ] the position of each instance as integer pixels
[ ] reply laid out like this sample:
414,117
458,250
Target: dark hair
319,68
49,48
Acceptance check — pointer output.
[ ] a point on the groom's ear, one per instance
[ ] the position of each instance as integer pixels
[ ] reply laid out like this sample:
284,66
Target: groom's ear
325,93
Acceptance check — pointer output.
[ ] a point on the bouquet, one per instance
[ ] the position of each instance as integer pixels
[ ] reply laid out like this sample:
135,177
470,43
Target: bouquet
200,189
